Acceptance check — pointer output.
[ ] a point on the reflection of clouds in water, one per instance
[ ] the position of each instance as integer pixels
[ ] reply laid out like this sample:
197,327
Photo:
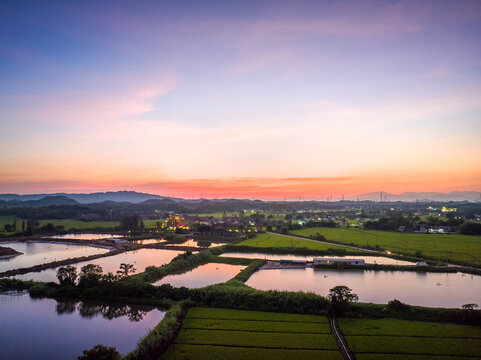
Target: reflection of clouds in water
108,311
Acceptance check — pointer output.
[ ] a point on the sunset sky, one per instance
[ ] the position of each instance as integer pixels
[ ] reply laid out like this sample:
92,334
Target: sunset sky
250,99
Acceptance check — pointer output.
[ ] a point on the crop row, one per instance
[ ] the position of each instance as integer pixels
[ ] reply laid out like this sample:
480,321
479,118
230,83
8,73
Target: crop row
411,357
216,313
407,328
255,325
414,345
193,352
256,339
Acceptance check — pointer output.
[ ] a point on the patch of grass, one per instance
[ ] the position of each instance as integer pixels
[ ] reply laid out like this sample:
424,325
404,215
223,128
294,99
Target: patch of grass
410,357
184,351
256,339
391,336
280,241
414,345
256,325
239,334
217,313
463,249
407,328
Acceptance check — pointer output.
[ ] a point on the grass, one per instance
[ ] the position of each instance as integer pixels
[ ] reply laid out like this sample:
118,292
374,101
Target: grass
400,339
256,326
455,248
240,334
216,313
407,328
185,351
278,241
67,223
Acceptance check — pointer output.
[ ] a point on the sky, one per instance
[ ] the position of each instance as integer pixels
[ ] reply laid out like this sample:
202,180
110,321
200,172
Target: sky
249,99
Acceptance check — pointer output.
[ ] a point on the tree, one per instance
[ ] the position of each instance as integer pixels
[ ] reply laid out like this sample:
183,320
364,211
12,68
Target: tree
125,270
469,306
340,297
129,223
14,225
100,352
90,275
110,277
67,275
203,228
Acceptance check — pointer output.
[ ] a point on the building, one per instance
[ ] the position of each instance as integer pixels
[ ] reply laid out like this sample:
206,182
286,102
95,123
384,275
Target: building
334,261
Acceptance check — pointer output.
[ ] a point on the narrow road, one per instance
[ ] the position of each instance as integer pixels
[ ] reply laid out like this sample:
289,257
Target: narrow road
346,352
328,243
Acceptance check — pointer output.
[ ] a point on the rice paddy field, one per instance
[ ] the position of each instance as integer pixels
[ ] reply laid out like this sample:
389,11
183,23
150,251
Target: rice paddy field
452,247
274,240
73,224
238,334
384,339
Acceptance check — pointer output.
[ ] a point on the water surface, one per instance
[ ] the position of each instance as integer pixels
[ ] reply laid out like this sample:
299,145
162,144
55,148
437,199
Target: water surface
148,241
36,253
198,243
369,259
139,258
203,275
47,329
85,236
416,288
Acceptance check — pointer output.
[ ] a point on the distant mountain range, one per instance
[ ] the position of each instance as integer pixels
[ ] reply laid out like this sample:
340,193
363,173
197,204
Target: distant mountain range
138,197
117,196
473,196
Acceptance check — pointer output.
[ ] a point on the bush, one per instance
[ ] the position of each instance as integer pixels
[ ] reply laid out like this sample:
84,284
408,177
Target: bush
100,352
157,341
398,305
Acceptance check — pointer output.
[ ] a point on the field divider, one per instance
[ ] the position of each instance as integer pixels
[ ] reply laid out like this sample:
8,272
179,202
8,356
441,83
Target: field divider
449,356
259,331
256,347
276,321
415,336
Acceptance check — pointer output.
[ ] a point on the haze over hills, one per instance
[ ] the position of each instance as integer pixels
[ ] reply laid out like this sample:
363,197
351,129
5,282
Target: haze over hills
138,197
117,196
473,196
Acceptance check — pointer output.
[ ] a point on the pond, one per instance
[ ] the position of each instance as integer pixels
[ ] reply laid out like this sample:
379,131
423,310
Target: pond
85,236
36,253
449,290
139,258
198,243
47,329
369,259
203,275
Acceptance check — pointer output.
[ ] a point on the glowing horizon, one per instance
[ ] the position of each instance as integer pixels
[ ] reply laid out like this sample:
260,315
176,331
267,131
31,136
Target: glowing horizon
254,100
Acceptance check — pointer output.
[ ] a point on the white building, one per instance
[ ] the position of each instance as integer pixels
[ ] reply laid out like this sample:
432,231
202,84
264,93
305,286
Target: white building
333,261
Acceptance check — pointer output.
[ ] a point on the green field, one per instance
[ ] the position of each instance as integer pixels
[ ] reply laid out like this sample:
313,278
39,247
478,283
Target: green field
275,240
455,248
238,334
399,339
74,224
67,223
